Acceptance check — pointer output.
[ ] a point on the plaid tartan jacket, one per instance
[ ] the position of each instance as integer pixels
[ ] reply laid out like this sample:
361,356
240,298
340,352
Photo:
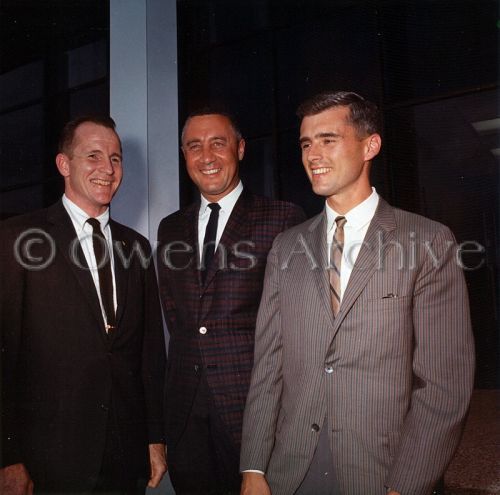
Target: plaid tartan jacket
211,326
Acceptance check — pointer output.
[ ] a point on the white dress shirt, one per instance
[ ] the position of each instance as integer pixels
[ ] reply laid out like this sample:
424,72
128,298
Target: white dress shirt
358,221
84,232
226,207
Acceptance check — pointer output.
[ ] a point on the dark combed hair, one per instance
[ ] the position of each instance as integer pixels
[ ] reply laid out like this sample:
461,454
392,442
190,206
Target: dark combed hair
363,115
68,131
214,110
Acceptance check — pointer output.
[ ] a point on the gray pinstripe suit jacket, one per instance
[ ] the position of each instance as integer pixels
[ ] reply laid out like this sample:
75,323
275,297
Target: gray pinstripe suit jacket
392,373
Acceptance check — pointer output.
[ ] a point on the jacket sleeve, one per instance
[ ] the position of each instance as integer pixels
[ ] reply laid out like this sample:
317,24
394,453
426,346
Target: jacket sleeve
263,401
153,357
443,370
167,299
11,304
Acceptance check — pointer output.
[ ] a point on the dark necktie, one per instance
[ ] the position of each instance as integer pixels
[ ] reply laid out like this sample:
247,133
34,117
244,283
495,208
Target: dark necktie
208,248
335,262
102,258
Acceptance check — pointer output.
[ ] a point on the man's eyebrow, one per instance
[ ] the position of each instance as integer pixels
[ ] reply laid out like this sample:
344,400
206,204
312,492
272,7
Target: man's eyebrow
89,152
101,152
320,135
192,141
327,134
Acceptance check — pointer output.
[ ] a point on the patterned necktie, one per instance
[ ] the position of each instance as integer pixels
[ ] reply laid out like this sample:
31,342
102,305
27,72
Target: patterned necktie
209,240
102,259
335,262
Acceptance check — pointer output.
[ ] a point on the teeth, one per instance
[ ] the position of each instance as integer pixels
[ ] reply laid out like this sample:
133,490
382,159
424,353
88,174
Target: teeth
101,182
211,171
318,171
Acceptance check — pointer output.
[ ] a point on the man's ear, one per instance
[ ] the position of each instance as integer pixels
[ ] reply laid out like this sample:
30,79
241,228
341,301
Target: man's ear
373,145
62,162
241,149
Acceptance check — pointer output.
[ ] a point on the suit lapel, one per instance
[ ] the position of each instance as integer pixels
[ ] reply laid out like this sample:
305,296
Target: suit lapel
120,268
237,229
190,225
377,240
316,241
68,244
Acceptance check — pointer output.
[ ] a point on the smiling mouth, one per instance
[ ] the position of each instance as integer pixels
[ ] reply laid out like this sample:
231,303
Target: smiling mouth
319,171
211,171
101,182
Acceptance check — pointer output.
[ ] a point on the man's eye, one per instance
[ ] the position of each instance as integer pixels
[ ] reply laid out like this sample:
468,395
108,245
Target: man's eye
304,146
93,156
218,144
116,160
194,147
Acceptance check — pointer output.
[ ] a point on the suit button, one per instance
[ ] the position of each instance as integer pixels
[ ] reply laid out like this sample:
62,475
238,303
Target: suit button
315,427
104,407
196,368
329,369
203,330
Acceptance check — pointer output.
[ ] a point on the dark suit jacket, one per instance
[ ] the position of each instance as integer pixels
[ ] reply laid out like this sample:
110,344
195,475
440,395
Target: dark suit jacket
226,306
391,375
60,370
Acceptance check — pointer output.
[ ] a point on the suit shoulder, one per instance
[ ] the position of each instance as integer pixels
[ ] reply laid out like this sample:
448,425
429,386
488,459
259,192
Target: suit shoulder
294,232
129,233
34,219
273,204
261,206
180,215
407,220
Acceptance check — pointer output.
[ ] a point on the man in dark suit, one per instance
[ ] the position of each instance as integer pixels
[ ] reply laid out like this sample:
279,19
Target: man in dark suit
364,357
210,302
82,343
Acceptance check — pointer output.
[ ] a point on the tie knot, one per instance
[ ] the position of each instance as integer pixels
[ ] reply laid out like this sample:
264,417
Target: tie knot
94,223
214,206
340,221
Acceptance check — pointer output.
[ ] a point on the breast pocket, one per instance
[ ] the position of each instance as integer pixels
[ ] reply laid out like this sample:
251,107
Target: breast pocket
387,319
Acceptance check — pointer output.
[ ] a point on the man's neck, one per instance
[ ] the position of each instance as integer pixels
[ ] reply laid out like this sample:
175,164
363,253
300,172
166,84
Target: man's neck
344,202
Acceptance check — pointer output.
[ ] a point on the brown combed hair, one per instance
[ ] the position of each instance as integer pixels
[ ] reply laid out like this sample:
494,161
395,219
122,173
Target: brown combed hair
363,116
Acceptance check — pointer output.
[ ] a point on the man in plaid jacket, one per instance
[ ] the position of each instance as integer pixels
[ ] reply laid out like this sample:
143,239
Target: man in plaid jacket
211,310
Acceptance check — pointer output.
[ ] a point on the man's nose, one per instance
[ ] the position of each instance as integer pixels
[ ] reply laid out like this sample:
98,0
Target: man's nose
207,155
314,152
107,166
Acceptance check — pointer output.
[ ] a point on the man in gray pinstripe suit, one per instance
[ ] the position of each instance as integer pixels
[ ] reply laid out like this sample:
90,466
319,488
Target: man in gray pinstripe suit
372,400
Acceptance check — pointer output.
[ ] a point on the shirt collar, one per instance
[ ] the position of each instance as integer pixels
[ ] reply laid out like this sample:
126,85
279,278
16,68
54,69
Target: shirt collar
79,217
357,217
226,203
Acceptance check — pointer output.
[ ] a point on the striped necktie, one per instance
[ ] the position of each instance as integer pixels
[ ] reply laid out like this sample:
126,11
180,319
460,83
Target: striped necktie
335,262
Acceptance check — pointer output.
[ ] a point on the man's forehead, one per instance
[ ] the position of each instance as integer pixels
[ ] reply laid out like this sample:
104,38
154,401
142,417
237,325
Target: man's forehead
208,127
329,120
89,141
90,132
